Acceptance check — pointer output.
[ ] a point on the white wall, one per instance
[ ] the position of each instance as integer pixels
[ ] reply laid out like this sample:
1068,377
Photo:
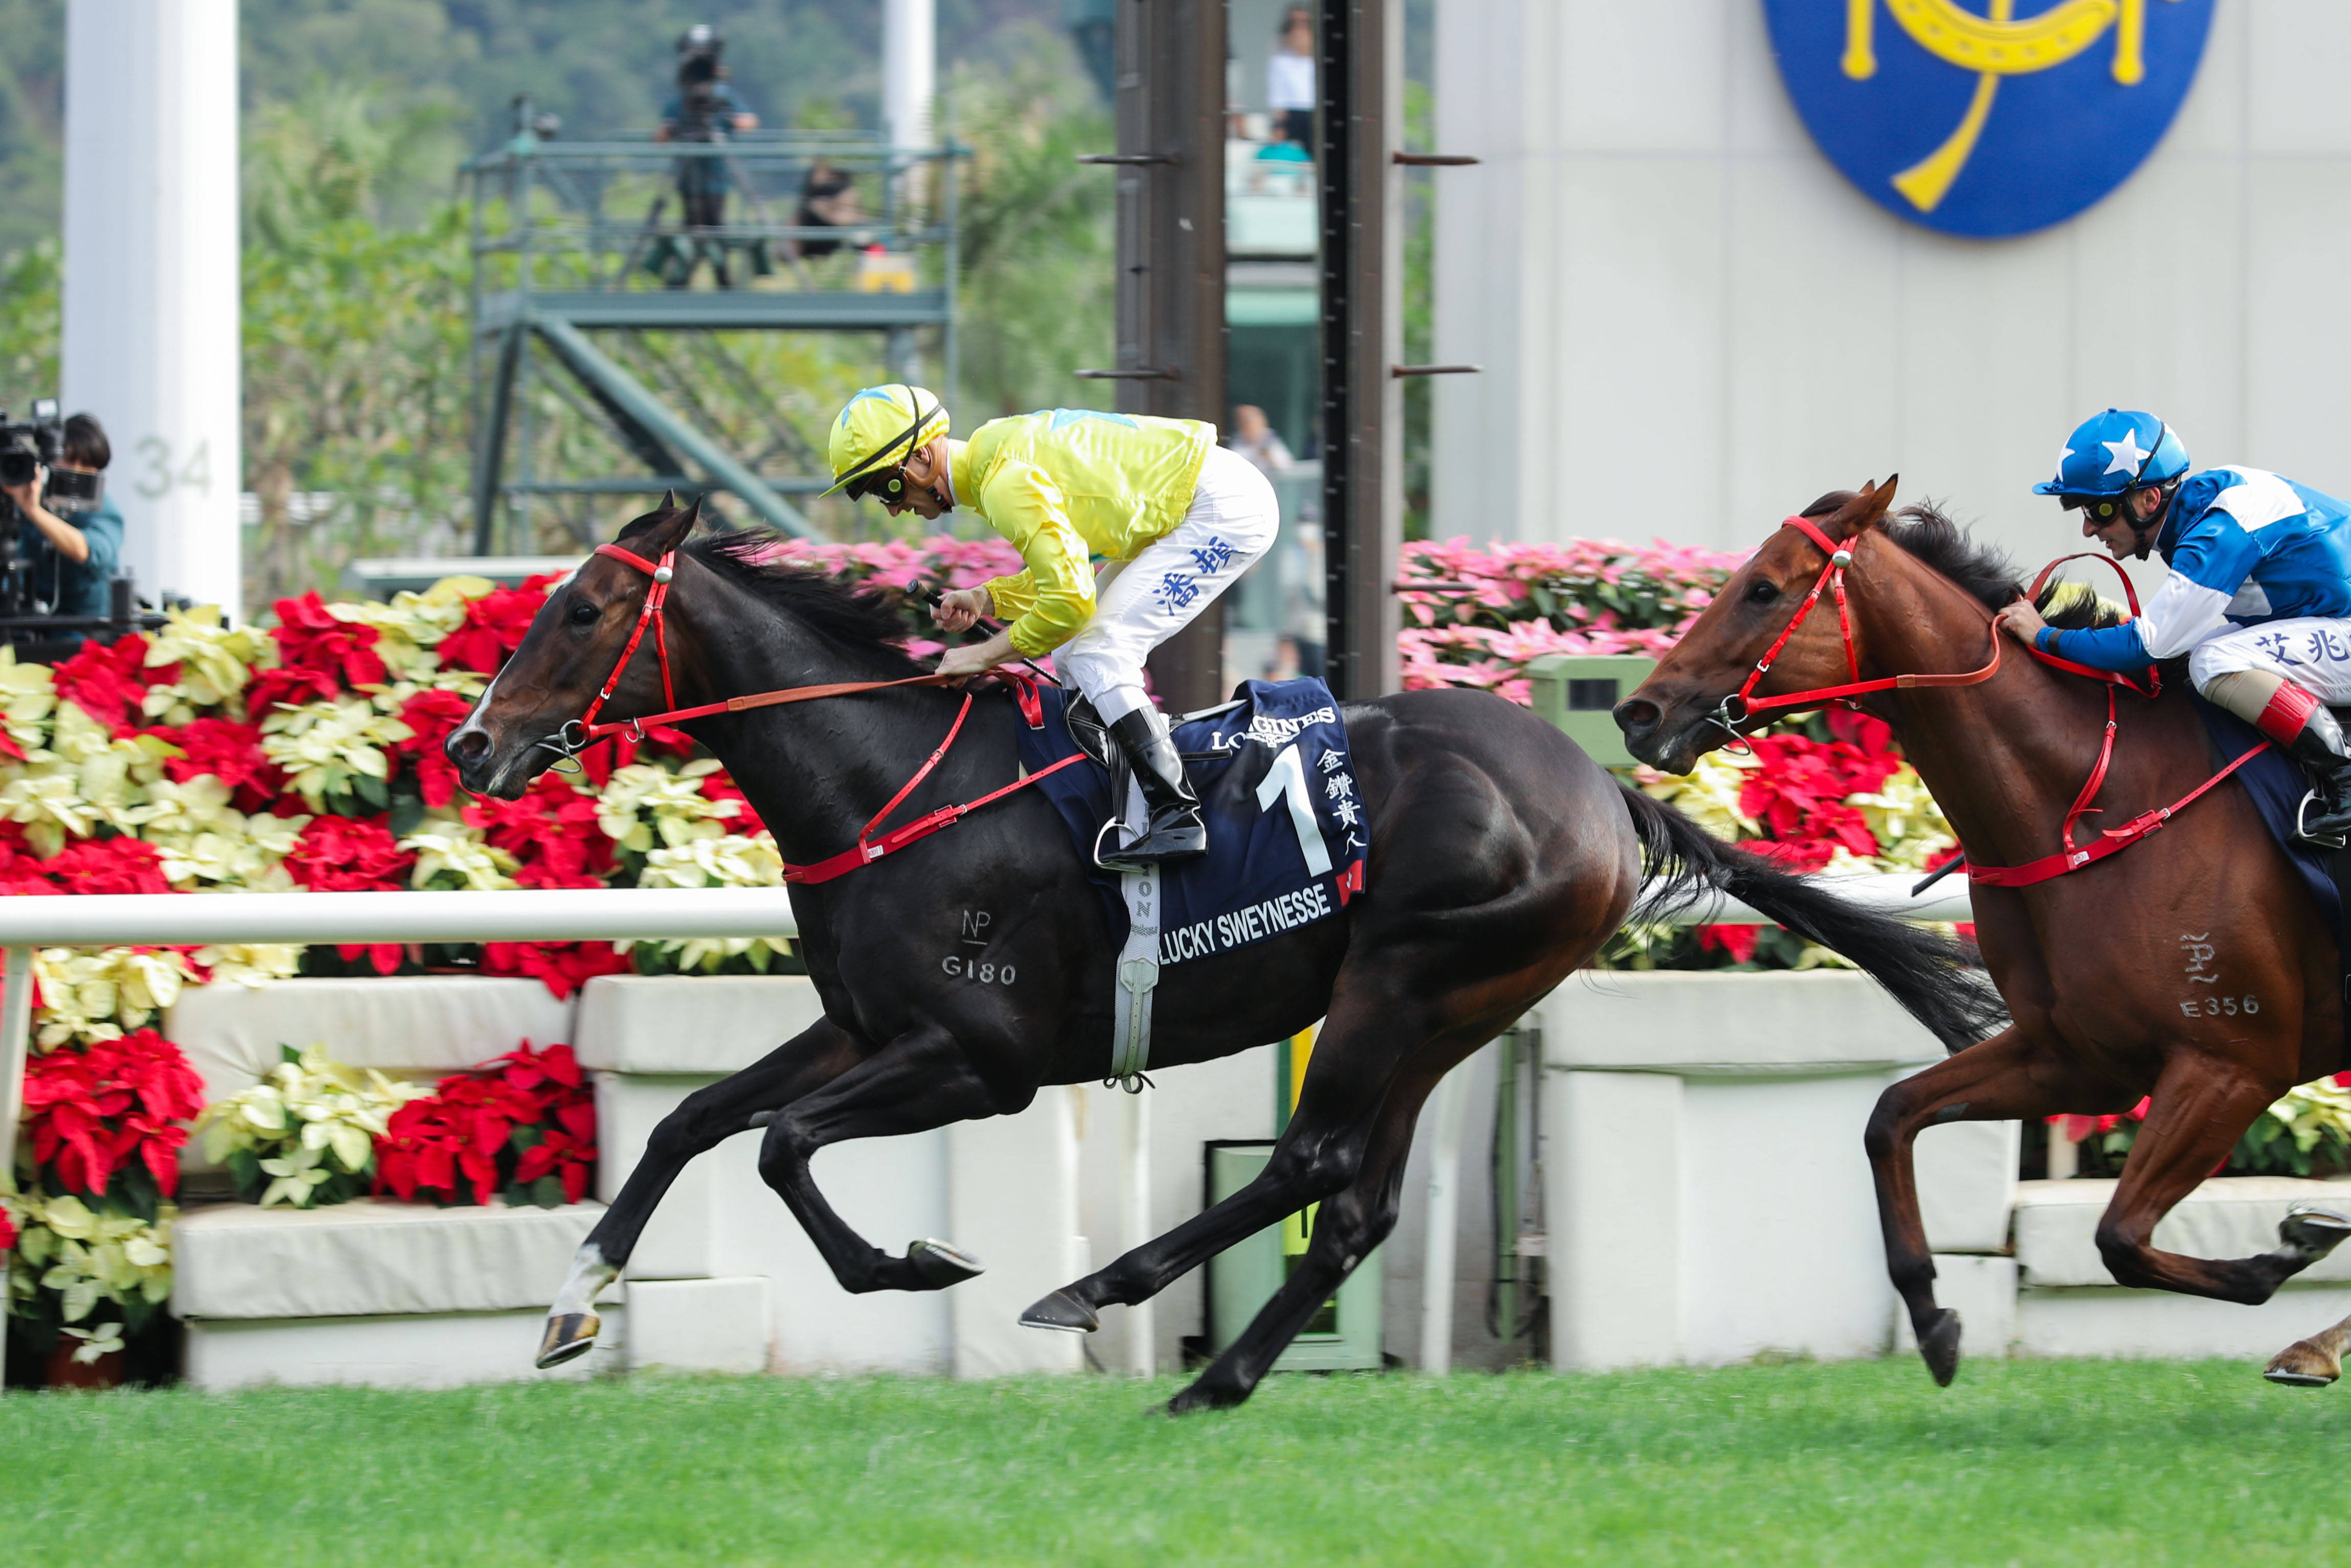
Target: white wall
1693,325
151,303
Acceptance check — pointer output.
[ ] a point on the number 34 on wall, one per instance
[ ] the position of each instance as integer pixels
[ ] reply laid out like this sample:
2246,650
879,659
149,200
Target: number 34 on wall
161,473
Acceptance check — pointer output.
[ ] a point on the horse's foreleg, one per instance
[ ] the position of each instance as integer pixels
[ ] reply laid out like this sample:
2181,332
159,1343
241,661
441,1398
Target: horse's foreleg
1346,1228
2201,1107
2005,1078
918,1082
706,1119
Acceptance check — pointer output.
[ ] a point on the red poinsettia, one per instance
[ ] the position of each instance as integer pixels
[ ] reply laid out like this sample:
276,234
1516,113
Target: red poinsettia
494,626
2080,1128
552,832
99,865
229,751
90,1112
562,966
1799,795
432,714
309,637
525,1115
348,854
110,683
291,686
718,786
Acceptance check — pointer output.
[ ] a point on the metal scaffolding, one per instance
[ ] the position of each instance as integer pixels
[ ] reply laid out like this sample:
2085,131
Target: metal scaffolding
588,282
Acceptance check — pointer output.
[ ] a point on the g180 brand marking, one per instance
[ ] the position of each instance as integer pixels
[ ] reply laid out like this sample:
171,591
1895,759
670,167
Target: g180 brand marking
973,969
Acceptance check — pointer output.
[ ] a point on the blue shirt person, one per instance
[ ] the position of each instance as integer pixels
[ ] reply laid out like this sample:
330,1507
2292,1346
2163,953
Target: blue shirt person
72,555
2258,595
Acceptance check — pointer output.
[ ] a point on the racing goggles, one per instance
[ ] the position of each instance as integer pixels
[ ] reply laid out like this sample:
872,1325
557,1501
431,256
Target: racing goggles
2105,508
887,485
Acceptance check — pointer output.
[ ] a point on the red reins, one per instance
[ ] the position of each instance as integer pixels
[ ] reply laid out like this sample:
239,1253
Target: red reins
867,848
2112,841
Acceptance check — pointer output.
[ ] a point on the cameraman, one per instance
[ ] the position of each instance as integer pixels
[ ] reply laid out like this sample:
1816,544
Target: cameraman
70,559
704,110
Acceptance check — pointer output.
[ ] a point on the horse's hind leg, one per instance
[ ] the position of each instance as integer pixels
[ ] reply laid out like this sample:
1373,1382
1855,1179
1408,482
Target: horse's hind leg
2311,1362
707,1118
2003,1078
2201,1107
919,1080
1346,1228
1317,1155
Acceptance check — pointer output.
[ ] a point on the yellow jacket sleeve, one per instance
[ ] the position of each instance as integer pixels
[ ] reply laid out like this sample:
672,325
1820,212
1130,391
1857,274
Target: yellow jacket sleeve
1054,598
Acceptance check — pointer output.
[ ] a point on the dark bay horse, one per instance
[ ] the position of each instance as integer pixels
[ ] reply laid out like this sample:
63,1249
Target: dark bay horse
2193,968
1501,858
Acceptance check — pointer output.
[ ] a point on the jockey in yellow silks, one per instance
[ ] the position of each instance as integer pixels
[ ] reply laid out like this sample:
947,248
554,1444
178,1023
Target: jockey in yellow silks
1068,487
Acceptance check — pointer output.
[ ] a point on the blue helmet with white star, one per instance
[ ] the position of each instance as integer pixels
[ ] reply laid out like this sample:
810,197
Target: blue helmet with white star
2116,451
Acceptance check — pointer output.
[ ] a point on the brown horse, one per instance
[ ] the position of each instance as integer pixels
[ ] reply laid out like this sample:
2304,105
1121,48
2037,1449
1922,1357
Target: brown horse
2194,968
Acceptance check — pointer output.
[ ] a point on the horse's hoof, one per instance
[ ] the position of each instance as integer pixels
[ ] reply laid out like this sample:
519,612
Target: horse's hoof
2302,1365
939,1265
567,1338
2315,1232
1200,1397
1939,1343
1061,1311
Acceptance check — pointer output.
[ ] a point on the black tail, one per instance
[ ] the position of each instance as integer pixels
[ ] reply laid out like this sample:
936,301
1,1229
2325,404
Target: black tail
1934,977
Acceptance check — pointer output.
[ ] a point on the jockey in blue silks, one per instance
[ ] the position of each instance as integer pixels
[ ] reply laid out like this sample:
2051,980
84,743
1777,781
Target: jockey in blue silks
2259,595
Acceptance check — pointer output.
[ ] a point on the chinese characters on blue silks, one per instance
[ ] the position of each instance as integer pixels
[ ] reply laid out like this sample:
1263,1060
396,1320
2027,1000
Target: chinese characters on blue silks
2258,596
1069,487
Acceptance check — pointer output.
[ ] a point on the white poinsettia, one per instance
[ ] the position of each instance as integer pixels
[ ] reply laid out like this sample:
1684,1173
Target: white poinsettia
410,627
27,697
325,747
1709,793
252,965
214,662
306,1122
87,1256
644,803
97,995
46,797
730,860
451,854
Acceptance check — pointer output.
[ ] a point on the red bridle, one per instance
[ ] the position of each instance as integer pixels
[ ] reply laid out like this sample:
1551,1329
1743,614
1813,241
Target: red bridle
2112,841
867,848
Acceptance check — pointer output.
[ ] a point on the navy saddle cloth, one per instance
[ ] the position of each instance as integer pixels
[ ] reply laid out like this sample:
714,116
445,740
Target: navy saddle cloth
2277,784
1277,787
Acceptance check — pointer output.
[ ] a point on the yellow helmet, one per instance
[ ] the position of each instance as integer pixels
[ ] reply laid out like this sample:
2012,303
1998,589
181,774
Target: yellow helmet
879,429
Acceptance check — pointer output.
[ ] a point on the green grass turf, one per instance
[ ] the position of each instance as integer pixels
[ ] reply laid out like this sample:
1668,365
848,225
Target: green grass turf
2033,1462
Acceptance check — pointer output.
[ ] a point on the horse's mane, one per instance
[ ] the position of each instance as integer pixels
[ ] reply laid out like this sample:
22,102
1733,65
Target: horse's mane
859,622
1984,571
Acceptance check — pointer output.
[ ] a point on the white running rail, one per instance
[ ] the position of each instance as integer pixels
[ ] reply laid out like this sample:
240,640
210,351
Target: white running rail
618,913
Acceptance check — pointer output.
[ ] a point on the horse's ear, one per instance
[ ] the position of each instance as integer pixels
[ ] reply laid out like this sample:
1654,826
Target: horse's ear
1876,499
658,533
669,501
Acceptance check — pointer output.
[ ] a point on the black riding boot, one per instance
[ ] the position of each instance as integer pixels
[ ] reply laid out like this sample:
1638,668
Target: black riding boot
2325,818
1175,830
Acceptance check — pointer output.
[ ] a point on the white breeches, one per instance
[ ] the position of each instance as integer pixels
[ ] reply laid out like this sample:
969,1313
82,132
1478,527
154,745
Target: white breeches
1231,523
2313,652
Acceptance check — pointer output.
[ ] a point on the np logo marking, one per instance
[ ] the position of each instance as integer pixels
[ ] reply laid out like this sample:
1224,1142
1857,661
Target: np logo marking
1986,123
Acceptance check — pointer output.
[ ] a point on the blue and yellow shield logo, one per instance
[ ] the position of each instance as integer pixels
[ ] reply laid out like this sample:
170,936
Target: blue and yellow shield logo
1984,122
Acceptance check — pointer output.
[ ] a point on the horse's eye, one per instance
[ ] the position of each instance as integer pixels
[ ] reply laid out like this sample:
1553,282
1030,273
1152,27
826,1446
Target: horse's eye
585,614
1763,593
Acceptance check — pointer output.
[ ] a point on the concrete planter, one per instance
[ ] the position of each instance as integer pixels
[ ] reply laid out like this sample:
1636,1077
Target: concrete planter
1706,1193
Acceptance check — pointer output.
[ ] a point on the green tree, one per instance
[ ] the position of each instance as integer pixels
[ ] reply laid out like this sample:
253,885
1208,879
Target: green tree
1038,274
355,350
